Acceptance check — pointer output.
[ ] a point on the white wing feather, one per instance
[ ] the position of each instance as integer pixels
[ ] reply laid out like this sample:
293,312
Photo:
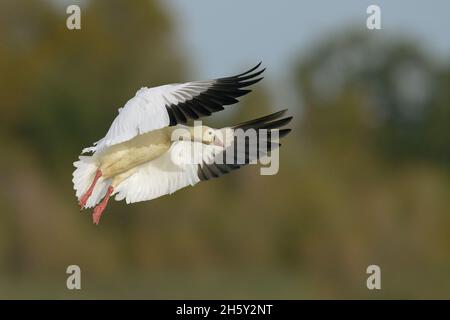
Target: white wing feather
155,108
174,170
146,111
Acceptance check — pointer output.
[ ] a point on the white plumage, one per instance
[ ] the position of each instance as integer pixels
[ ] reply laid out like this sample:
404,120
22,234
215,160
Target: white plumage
172,171
141,157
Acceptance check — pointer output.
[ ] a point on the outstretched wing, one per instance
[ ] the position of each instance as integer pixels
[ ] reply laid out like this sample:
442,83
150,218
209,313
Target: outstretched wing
187,163
240,151
172,171
155,108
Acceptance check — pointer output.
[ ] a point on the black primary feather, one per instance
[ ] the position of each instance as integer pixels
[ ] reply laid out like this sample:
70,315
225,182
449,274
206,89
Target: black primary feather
270,124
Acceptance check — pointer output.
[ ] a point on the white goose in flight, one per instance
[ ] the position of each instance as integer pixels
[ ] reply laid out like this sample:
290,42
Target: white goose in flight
149,151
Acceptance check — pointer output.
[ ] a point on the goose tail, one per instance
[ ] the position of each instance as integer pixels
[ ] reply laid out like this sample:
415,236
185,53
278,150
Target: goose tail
83,176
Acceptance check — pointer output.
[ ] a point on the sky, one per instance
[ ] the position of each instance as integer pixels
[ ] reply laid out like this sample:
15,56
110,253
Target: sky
223,37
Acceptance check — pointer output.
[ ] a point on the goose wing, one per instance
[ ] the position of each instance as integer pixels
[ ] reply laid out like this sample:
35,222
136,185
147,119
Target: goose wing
187,163
165,175
168,105
240,151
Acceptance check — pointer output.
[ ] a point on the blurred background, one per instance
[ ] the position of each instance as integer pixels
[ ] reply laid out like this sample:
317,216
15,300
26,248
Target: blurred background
364,176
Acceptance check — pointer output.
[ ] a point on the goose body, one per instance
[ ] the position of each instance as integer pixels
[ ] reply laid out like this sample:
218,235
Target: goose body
149,151
126,155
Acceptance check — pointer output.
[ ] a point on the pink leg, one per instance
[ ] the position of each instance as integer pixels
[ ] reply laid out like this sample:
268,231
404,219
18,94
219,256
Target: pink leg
84,198
98,210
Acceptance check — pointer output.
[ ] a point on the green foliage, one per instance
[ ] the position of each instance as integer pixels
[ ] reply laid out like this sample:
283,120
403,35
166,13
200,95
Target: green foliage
63,87
401,96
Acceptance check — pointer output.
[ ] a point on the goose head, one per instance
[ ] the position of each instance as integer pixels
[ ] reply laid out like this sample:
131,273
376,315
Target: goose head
203,134
208,135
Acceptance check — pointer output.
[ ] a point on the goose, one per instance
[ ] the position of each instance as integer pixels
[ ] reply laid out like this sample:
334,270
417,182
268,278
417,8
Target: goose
150,151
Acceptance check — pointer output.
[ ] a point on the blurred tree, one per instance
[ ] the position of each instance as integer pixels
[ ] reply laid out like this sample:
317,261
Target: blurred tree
60,91
62,88
400,93
369,99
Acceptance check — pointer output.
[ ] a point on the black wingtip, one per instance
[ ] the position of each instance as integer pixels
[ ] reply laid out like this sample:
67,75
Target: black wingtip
244,84
286,120
283,132
278,114
262,120
275,124
255,67
244,73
